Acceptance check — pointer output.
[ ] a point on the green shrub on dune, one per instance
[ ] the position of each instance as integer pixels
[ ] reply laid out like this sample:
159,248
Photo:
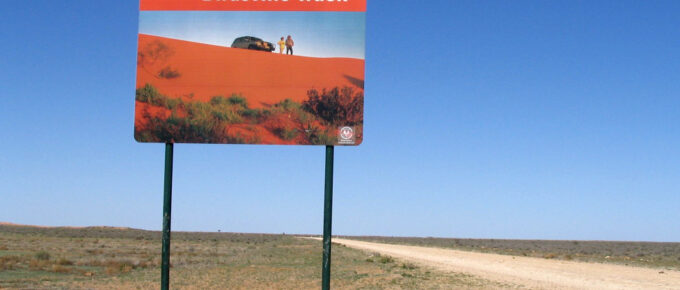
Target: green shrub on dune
149,94
336,106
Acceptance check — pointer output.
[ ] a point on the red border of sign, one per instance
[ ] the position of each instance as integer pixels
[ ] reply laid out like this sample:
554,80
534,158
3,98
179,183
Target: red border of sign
253,5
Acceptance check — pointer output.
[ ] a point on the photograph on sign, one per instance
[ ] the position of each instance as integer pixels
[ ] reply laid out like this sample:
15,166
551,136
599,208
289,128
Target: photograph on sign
262,76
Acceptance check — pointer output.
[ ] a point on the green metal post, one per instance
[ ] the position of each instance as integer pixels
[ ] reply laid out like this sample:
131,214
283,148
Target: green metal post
167,206
327,220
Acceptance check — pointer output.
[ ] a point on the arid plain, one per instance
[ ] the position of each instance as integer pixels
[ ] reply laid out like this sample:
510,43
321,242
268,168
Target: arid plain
123,258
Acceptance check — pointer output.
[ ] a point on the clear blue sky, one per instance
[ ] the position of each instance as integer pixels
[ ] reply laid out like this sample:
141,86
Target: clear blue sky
317,34
485,119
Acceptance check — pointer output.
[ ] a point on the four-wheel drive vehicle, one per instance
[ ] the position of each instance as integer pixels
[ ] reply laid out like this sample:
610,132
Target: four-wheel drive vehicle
254,43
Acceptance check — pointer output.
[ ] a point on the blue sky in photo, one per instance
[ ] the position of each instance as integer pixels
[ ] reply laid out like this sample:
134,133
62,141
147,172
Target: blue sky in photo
483,119
316,34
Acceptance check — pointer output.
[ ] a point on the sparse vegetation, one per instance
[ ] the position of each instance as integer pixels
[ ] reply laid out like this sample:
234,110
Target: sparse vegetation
106,258
222,120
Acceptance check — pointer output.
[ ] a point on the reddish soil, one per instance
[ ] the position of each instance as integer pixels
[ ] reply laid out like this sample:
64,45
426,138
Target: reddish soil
203,71
143,108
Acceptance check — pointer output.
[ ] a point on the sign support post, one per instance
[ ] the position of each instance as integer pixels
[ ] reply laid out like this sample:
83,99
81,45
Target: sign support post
327,220
167,206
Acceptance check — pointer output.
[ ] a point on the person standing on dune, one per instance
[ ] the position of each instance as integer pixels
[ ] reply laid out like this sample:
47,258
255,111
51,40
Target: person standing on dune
282,44
289,45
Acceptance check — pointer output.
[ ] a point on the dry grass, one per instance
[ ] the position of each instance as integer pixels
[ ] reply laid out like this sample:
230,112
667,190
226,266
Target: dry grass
130,259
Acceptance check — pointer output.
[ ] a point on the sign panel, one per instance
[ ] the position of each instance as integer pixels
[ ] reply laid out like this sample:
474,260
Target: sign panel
251,72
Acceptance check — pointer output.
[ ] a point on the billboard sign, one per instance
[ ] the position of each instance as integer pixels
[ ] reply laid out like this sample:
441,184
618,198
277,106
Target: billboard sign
288,72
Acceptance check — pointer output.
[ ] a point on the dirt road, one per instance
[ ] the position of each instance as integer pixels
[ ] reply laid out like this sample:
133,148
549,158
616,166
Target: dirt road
528,272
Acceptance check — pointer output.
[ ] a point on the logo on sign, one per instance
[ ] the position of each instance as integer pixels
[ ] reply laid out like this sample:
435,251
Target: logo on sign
346,135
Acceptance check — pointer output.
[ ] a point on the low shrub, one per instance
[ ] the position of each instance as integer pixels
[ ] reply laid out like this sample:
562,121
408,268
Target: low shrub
168,73
191,129
42,256
287,105
385,259
9,262
238,100
149,94
336,106
38,264
408,266
286,133
230,101
64,262
224,109
318,137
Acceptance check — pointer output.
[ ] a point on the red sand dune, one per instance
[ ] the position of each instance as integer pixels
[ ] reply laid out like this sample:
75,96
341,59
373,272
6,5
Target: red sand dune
261,77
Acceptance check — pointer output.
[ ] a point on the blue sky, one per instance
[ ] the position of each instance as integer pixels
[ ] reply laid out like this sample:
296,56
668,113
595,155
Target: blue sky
317,34
484,119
